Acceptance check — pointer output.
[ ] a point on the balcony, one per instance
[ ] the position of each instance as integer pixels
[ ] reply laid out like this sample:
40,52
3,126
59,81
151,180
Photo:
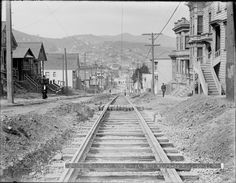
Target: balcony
179,53
203,38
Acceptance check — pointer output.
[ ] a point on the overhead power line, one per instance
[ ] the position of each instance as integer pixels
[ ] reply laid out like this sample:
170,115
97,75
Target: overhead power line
169,19
165,26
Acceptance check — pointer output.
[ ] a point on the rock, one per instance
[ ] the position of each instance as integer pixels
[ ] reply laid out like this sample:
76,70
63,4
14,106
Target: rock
186,137
32,173
57,157
7,139
10,130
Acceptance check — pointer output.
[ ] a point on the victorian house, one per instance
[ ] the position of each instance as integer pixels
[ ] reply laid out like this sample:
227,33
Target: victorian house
208,21
182,67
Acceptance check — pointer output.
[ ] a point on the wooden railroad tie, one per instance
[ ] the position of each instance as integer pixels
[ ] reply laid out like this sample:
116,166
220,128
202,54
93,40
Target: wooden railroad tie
155,166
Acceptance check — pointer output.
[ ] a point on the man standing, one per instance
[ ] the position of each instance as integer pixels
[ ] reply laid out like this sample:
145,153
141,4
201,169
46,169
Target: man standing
163,88
44,88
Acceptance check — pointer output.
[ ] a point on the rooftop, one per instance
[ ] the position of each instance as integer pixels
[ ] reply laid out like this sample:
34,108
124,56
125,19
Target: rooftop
55,61
182,24
36,47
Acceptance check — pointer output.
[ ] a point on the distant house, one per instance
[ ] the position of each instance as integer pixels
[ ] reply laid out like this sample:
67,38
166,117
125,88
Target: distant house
3,49
79,75
28,59
162,71
54,66
37,48
208,22
22,62
147,80
182,69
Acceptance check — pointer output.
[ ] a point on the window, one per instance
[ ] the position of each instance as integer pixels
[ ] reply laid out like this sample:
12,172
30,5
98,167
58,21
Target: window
209,19
199,54
181,43
74,74
54,74
218,6
156,66
186,41
225,24
47,74
217,42
199,24
177,40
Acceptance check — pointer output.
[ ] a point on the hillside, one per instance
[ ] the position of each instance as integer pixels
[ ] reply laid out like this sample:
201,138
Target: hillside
105,48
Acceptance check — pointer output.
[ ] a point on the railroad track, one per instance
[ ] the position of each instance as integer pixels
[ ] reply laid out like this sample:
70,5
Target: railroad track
124,146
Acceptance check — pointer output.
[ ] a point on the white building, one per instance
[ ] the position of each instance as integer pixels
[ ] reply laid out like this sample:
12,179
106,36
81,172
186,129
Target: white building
53,68
147,82
162,72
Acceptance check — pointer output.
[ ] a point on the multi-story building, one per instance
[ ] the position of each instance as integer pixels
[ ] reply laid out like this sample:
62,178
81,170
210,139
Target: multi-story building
162,71
79,76
181,65
208,22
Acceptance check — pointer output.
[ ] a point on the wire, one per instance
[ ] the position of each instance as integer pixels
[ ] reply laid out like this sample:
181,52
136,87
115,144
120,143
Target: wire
164,27
168,20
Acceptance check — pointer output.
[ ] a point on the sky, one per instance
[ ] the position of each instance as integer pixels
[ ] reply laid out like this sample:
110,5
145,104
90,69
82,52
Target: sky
57,19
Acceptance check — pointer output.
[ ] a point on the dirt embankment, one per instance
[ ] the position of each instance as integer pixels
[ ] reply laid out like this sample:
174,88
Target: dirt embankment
30,139
201,127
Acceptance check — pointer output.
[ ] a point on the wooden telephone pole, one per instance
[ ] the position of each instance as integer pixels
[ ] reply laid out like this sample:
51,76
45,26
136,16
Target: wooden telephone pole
10,97
78,70
66,76
152,46
63,70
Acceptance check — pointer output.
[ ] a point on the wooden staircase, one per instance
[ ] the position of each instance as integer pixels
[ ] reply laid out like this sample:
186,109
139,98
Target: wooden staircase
212,88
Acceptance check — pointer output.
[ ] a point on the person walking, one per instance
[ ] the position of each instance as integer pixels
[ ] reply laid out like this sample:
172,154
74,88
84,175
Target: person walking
163,88
44,88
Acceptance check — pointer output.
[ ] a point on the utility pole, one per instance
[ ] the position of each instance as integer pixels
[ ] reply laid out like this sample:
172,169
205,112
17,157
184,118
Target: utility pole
66,72
138,79
85,73
10,97
63,70
78,69
152,46
101,74
231,50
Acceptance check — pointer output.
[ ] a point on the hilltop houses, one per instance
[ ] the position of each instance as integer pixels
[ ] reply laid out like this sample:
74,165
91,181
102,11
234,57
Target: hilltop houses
90,77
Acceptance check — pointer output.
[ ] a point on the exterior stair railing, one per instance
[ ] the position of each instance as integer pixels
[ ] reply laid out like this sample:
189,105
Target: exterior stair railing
198,69
29,79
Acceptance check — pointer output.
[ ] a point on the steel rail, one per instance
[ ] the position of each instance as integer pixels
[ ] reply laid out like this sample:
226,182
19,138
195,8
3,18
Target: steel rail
80,154
170,175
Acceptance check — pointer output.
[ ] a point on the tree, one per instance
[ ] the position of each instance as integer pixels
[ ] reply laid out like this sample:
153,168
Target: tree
138,74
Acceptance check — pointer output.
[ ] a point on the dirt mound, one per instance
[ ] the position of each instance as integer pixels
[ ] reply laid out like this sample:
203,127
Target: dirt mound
143,97
203,128
30,139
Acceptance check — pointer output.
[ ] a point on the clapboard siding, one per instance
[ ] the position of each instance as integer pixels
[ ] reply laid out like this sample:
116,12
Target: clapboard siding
218,14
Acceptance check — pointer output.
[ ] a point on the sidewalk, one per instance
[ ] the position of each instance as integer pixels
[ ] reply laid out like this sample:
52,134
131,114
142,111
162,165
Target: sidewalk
25,102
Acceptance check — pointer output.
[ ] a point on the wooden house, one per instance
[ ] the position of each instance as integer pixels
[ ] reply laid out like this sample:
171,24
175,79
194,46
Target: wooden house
208,21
